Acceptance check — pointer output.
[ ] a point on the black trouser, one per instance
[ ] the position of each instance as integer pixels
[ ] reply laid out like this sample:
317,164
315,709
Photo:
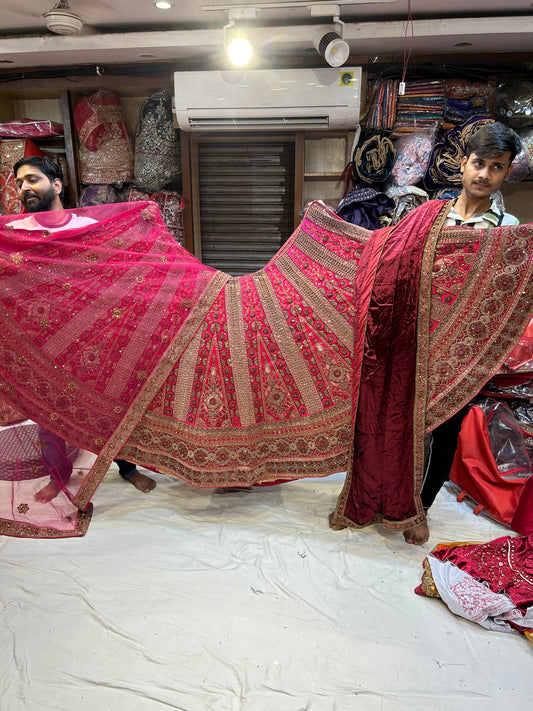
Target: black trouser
441,456
125,469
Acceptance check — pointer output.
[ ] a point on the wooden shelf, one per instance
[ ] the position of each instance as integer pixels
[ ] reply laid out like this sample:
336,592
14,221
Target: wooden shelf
323,176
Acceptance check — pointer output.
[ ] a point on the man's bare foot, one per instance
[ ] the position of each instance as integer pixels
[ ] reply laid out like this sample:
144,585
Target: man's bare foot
417,535
48,492
142,482
232,489
335,526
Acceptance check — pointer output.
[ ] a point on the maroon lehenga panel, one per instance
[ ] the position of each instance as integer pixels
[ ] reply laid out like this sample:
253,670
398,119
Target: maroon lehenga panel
444,307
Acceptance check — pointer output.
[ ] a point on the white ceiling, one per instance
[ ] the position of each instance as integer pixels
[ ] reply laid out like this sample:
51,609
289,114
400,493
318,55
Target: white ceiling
191,31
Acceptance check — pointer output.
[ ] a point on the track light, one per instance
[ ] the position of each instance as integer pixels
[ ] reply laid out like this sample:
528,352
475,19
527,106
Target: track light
239,51
329,40
332,47
236,40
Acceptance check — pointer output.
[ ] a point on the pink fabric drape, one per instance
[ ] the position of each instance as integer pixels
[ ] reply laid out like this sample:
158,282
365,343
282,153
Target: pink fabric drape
123,344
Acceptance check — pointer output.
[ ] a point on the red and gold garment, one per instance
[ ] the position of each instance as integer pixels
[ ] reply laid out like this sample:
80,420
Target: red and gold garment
488,583
439,310
119,341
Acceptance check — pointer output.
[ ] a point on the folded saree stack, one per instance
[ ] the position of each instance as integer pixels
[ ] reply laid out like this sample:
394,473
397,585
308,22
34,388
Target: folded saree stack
421,107
383,101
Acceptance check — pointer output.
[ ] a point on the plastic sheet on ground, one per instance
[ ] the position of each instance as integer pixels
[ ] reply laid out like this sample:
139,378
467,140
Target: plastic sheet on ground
185,599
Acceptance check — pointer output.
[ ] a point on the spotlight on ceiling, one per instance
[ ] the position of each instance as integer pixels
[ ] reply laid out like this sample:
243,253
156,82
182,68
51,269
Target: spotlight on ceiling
61,20
329,40
330,45
236,35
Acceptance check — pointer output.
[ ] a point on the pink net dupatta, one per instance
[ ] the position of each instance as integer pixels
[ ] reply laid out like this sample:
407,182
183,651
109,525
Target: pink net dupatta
88,315
118,342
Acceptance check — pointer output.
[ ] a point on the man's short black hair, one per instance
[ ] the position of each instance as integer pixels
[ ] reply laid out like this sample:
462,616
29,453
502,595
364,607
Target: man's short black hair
46,165
494,139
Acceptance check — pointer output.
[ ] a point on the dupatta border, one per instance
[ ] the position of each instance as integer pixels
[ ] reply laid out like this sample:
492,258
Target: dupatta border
19,529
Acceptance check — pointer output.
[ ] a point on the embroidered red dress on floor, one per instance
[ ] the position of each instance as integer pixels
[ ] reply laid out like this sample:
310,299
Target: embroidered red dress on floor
488,583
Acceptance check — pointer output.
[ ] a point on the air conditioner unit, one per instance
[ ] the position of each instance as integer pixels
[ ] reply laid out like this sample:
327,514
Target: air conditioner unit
268,99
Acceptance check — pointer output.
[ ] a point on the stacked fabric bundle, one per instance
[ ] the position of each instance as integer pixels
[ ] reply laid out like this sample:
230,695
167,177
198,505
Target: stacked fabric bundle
421,107
108,165
383,101
465,99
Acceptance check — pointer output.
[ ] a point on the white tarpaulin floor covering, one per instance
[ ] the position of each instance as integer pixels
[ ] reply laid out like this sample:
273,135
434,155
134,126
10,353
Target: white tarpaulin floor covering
191,600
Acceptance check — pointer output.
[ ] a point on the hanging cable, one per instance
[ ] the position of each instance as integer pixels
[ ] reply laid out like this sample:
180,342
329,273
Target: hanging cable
406,54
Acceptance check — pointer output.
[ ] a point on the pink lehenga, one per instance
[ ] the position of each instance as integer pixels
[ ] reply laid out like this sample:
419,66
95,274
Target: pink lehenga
124,345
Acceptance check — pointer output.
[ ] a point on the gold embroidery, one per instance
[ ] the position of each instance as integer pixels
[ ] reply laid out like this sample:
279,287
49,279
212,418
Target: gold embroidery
428,584
238,355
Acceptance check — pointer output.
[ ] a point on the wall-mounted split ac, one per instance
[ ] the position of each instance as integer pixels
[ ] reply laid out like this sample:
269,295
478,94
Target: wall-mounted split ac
268,99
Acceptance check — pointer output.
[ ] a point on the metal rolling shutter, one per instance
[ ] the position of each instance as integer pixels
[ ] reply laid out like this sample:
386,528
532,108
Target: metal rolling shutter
246,202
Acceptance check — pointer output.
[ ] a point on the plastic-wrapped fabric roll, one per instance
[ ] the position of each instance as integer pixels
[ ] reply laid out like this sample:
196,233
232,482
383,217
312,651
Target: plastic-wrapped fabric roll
527,141
520,166
365,207
412,158
514,104
157,144
406,198
106,145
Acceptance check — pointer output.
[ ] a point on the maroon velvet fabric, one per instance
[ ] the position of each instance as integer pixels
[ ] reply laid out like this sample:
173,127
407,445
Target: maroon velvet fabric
383,439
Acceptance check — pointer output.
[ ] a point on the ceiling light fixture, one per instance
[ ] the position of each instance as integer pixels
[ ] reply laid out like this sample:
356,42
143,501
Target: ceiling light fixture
61,20
329,41
163,5
236,36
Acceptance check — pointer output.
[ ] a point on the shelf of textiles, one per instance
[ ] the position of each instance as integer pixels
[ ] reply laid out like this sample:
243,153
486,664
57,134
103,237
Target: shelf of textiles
116,164
411,146
112,162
